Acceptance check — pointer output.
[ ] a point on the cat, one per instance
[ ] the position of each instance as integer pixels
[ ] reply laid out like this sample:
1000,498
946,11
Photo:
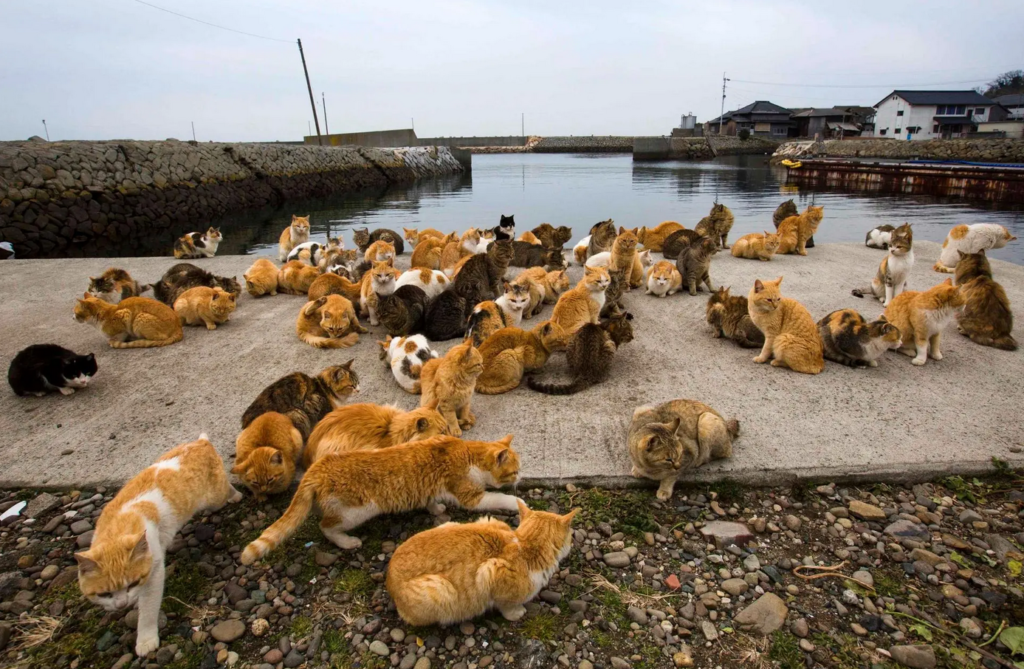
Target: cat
447,384
342,261
456,572
414,236
43,368
362,238
261,278
351,488
183,276
467,245
878,238
784,211
544,287
525,254
205,306
266,453
137,322
623,256
114,285
716,225
729,316
791,337
296,277
891,278
921,317
124,566
482,276
305,399
589,355
329,322
446,316
310,253
370,426
507,311
431,281
552,237
529,238
694,264
511,352
506,228
582,304
6,251
428,252
380,281
679,240
756,245
334,284
401,312
670,439
602,236
664,279
197,244
970,239
406,356
613,295
796,231
579,252
380,251
295,234
851,340
654,238
987,318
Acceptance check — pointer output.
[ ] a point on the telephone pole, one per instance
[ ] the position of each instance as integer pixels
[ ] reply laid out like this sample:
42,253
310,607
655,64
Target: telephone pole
722,113
522,120
312,100
327,130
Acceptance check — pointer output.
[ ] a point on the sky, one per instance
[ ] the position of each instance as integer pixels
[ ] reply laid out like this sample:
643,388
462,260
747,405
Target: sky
118,69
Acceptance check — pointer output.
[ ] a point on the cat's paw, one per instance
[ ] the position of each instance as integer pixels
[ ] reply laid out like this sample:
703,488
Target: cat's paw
436,508
146,644
66,391
455,430
234,496
346,542
918,361
211,326
937,355
664,495
777,363
873,363
761,359
513,613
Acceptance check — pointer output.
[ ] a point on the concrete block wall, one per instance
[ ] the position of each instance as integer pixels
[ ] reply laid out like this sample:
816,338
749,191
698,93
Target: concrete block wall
981,150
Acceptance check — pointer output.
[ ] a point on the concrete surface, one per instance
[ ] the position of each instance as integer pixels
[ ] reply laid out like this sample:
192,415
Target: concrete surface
894,422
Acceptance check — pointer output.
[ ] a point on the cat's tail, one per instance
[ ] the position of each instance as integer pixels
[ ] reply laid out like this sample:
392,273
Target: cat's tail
862,292
1005,342
578,384
733,426
150,343
286,525
351,339
939,267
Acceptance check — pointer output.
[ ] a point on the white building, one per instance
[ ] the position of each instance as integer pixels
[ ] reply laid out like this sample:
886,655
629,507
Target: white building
1014,104
908,115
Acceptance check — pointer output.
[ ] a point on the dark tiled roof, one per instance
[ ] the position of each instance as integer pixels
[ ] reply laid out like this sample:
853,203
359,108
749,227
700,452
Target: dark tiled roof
822,112
762,107
941,98
1014,100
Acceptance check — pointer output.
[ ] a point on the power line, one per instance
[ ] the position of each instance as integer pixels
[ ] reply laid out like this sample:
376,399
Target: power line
893,86
213,25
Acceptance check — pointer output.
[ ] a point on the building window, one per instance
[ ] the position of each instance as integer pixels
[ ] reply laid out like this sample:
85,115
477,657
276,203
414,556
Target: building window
899,113
961,110
935,129
779,130
897,131
883,131
980,111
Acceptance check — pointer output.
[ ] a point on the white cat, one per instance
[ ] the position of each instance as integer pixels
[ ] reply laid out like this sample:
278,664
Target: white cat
406,356
893,271
515,300
878,238
970,239
602,259
432,281
579,252
308,252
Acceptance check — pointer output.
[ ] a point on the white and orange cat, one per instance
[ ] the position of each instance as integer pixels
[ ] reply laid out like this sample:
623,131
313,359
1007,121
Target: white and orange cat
582,304
664,279
431,281
970,239
137,322
203,305
124,567
379,281
545,287
922,316
295,234
406,357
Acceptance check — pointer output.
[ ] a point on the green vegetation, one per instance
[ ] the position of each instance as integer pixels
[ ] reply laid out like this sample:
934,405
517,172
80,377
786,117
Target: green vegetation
355,582
183,587
785,652
538,504
541,626
301,627
628,511
727,490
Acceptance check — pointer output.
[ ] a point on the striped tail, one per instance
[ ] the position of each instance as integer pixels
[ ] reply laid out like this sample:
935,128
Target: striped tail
350,339
150,343
285,526
577,384
1004,342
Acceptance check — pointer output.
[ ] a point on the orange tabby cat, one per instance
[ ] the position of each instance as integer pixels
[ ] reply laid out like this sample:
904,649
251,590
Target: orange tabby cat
654,238
921,317
351,488
135,322
124,566
583,304
295,234
664,279
530,238
265,454
414,236
796,230
261,278
205,306
468,245
427,252
791,336
756,245
456,572
380,280
545,287
368,426
624,256
332,284
380,251
329,322
447,385
296,277
511,352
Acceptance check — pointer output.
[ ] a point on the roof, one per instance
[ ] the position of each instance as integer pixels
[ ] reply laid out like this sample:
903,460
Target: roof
822,112
941,98
955,120
765,111
857,109
1014,100
846,127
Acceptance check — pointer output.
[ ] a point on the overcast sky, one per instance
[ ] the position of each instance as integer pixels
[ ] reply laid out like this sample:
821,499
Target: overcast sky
101,69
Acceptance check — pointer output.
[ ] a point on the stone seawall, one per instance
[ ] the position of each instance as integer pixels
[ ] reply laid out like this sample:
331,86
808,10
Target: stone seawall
56,194
588,144
672,148
728,145
981,150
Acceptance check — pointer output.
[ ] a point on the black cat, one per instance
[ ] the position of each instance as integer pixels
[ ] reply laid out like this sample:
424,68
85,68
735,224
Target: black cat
506,228
446,316
401,312
525,254
43,368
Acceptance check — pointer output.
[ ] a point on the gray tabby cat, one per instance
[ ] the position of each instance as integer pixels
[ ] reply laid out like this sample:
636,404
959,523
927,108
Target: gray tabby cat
694,263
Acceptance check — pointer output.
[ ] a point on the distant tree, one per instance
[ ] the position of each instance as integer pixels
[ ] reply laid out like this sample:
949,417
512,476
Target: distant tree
1006,83
744,134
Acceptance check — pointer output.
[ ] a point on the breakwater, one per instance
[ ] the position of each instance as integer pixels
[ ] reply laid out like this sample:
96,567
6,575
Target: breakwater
584,144
699,148
980,150
54,195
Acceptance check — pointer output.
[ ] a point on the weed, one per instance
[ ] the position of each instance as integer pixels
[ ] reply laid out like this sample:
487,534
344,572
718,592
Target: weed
539,504
630,510
727,490
541,626
785,652
334,642
183,587
887,585
1003,469
355,582
301,627
601,638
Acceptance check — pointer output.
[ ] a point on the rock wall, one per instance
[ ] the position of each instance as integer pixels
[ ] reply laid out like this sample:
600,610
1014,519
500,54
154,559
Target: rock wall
982,150
591,144
728,145
56,194
671,148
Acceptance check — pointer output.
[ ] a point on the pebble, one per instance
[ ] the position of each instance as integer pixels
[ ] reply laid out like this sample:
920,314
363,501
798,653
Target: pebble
228,630
378,647
617,559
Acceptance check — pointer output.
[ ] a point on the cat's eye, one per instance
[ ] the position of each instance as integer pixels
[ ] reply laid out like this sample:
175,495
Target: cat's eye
105,595
134,584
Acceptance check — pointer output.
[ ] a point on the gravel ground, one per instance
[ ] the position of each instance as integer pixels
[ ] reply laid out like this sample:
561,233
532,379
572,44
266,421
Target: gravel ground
929,574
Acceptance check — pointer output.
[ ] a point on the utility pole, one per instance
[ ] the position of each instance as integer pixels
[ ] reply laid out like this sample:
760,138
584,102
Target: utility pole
312,101
522,120
412,123
327,130
46,130
722,113
193,131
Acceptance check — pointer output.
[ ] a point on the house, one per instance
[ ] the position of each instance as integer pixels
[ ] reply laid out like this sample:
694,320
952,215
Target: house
762,118
826,123
907,115
1014,105
862,116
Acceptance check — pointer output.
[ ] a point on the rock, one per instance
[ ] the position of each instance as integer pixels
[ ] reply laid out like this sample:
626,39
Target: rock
617,559
926,556
864,577
397,635
800,628
273,656
969,516
235,593
765,615
81,526
672,582
294,658
550,596
806,646
259,627
751,563
49,571
378,647
680,659
619,663
41,504
637,615
915,657
793,523
1002,547
84,540
866,511
325,559
424,663
904,529
735,586
709,630
467,628
970,628
204,532
227,631
858,629
5,636
26,561
725,533
954,542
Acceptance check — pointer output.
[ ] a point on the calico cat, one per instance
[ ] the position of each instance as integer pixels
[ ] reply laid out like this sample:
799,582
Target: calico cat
694,264
756,245
796,231
506,228
351,488
510,353
137,322
295,234
266,453
525,254
296,277
198,244
878,238
183,276
42,368
310,253
850,340
381,250
401,312
544,287
114,285
406,356
970,239
329,322
921,317
670,439
446,316
791,337
729,316
124,566
891,278
583,303
579,252
380,281
261,278
6,251
205,306
551,237
427,253
414,236
447,384
654,238
370,426
677,241
589,355
481,277
342,262
613,295
431,281
305,399
664,279
716,225
507,311
363,238
987,318
456,572
602,236
784,211
334,284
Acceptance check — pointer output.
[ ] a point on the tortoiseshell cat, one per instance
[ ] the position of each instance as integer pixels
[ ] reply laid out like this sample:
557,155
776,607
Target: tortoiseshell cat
305,399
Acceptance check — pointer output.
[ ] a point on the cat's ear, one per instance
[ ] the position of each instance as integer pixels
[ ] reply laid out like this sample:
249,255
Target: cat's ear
312,307
86,565
634,230
141,549
507,440
85,296
524,510
948,282
622,230
766,233
675,426
778,281
469,351
347,366
961,254
91,357
758,286
629,316
567,518
238,468
432,404
276,458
